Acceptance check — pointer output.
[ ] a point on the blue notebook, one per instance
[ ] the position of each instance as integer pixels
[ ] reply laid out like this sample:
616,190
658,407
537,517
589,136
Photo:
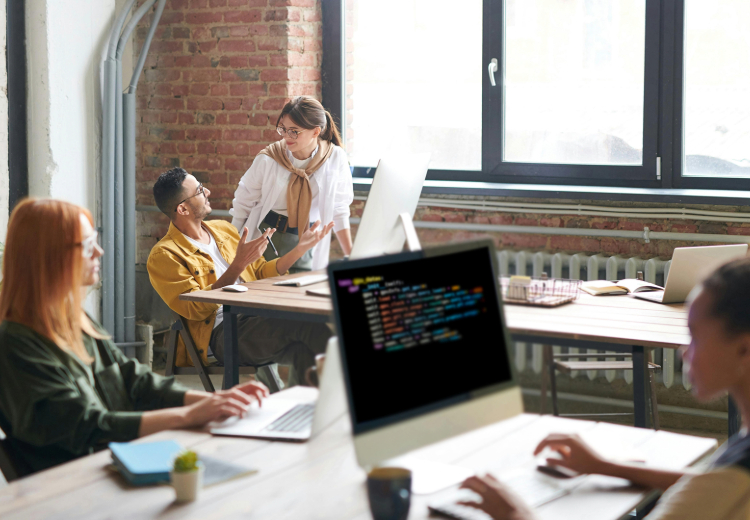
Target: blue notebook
145,463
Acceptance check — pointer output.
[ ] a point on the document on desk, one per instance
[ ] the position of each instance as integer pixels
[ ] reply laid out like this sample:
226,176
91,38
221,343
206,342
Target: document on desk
302,281
324,291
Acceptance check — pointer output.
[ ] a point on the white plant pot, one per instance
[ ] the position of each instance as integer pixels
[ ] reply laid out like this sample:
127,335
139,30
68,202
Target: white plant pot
187,485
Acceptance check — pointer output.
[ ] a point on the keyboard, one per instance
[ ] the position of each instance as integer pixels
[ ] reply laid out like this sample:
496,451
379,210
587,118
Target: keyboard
295,420
535,490
304,280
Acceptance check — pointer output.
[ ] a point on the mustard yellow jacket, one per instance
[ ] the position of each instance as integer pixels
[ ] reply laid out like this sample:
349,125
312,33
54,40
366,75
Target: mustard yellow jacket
175,267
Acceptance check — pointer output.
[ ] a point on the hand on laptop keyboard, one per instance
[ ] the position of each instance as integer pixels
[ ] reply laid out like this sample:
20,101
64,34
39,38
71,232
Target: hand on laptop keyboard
524,487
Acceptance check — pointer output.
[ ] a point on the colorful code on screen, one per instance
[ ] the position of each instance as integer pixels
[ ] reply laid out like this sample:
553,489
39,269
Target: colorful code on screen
403,316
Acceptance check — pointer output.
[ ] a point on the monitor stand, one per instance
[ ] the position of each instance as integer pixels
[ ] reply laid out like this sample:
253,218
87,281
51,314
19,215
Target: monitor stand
427,476
412,240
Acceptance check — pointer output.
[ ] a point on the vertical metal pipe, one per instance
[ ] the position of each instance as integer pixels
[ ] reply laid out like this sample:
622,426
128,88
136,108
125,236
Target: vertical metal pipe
146,44
119,217
108,196
128,186
125,189
129,241
109,114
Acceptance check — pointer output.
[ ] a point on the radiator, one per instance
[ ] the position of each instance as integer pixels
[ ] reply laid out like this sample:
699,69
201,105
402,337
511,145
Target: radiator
581,266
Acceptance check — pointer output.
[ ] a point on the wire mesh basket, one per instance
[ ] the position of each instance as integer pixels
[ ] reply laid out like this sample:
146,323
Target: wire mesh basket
541,291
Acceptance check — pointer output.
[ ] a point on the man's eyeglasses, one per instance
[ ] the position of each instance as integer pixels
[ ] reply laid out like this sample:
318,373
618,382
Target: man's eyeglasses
88,244
293,134
200,192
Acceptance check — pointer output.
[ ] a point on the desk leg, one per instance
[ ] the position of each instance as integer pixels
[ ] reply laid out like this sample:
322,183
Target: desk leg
231,350
735,419
641,387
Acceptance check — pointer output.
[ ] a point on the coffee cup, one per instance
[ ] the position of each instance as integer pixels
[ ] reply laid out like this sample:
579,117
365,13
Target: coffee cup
389,492
313,374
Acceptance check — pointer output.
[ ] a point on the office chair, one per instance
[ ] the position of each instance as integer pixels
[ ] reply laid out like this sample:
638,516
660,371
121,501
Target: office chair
180,328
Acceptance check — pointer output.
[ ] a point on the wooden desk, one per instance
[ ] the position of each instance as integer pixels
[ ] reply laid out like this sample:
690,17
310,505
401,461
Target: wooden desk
612,323
266,300
321,480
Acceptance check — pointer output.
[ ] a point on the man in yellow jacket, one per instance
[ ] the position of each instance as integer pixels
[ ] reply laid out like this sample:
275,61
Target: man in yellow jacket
197,254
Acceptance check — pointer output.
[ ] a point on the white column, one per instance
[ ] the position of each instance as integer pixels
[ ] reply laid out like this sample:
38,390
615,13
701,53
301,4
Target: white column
65,44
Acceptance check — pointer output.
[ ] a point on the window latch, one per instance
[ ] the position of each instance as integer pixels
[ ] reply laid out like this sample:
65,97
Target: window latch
492,68
658,168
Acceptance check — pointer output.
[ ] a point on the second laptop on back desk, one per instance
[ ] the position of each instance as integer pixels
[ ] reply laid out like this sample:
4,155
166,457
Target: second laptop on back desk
689,266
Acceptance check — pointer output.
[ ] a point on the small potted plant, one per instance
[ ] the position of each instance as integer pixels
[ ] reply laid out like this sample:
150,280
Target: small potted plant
187,476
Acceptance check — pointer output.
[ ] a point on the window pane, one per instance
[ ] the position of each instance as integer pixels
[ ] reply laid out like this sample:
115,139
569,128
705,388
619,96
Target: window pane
414,80
717,88
574,82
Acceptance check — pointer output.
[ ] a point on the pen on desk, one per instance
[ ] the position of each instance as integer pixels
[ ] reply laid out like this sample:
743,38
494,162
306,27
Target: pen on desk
269,241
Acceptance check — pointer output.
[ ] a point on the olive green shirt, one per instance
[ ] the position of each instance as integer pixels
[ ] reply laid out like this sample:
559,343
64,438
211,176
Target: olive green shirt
55,408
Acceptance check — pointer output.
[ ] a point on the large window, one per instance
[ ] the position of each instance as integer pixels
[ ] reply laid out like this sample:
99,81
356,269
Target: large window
573,81
717,88
415,81
639,93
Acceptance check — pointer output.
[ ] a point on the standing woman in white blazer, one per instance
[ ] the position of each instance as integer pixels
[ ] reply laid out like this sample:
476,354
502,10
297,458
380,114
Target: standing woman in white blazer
302,179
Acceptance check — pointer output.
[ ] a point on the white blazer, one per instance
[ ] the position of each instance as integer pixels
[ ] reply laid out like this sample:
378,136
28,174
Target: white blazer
258,191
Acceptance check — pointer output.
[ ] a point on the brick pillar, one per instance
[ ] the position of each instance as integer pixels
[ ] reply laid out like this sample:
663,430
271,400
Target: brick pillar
217,75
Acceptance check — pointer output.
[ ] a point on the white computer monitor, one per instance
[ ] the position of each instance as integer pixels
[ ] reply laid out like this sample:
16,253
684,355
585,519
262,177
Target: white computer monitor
409,325
394,191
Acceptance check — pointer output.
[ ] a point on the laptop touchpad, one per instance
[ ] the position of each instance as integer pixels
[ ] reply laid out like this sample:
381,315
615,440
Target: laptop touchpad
256,419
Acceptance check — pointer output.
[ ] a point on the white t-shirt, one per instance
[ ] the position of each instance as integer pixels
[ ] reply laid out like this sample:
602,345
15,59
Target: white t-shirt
280,206
220,266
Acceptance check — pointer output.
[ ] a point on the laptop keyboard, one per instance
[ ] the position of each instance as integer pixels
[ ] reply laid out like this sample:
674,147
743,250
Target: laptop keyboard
534,490
295,420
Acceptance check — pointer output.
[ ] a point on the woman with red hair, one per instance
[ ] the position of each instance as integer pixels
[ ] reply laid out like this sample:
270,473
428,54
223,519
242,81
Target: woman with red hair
65,389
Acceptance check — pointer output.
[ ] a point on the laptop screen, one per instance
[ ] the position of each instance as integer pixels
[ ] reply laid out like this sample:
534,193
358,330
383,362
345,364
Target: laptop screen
418,333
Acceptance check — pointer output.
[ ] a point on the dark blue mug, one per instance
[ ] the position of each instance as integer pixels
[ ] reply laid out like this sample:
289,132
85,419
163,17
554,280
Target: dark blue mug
389,492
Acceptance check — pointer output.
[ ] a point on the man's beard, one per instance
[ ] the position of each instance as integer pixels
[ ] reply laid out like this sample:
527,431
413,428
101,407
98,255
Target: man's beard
202,211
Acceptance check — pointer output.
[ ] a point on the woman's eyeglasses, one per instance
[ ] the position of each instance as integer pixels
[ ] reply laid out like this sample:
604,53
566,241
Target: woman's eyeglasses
88,244
293,134
200,192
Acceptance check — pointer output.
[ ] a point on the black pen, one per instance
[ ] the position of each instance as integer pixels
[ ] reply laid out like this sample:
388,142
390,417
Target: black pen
269,241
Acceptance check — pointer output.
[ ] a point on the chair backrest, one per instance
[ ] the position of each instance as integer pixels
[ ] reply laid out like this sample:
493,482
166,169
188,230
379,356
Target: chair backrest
6,464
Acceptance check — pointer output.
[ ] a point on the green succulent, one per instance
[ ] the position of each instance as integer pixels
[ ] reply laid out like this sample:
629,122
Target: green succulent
186,461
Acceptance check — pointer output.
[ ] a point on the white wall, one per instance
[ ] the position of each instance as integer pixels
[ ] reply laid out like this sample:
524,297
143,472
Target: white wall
65,41
65,44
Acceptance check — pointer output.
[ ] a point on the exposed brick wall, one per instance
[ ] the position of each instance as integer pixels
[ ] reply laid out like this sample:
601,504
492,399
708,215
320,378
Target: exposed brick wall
217,75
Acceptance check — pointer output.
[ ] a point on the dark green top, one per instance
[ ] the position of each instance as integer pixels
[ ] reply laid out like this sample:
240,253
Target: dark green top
55,408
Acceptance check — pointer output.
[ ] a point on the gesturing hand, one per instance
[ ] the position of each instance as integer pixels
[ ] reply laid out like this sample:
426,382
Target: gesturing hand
312,236
497,500
576,454
250,251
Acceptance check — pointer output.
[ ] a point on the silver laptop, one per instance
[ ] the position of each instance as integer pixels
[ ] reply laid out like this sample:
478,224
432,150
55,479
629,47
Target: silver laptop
296,414
690,265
